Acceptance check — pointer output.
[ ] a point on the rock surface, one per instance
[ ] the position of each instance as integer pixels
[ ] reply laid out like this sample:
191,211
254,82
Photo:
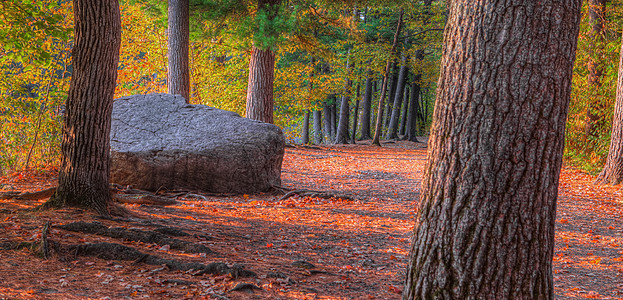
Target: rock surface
159,141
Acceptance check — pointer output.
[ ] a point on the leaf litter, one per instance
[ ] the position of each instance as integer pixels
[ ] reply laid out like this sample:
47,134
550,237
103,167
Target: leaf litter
297,248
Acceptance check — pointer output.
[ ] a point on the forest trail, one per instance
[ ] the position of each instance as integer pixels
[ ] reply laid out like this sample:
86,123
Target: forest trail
358,248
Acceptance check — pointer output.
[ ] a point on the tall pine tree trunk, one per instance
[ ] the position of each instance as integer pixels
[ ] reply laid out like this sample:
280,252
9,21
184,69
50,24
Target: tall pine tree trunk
612,172
178,76
318,127
485,224
367,109
85,148
262,74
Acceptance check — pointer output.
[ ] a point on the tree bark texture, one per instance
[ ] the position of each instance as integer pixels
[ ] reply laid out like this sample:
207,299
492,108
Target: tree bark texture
318,126
595,110
612,172
260,86
485,224
367,109
379,117
391,96
85,147
178,75
392,130
306,128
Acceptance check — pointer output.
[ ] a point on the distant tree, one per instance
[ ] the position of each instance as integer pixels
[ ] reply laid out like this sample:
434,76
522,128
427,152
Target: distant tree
379,116
306,128
392,130
318,127
485,224
612,172
367,109
594,112
178,77
342,136
85,159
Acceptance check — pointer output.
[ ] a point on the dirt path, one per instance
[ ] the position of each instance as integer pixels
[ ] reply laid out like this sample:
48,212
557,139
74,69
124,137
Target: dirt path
358,249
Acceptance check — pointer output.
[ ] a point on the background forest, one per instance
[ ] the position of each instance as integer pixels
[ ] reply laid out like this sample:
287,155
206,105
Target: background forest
325,51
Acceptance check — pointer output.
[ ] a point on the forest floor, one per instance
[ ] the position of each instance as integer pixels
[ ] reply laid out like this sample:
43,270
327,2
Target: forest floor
297,248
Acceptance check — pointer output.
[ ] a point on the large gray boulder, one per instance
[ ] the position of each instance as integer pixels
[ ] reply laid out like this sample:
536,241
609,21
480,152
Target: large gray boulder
159,141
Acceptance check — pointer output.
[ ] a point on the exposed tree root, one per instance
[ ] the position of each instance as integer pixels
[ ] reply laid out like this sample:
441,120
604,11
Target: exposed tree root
135,235
143,199
315,194
112,251
47,193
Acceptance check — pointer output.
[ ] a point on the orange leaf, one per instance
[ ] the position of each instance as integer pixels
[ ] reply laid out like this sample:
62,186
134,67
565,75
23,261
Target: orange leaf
564,221
596,261
269,245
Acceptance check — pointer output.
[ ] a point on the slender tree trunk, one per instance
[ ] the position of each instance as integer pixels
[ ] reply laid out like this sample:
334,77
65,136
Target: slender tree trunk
413,109
367,109
379,118
327,122
485,224
405,111
595,111
318,126
305,133
178,76
334,118
392,94
85,148
612,172
261,75
356,113
392,132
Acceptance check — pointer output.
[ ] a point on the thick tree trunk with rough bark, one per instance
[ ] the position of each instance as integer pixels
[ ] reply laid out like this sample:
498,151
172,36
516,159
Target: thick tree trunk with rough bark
305,134
260,87
485,224
178,76
318,126
612,172
85,148
367,109
392,130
